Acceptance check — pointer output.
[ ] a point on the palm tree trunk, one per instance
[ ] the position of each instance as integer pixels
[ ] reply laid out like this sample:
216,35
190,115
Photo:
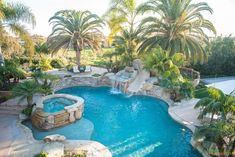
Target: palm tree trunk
30,101
220,147
212,117
78,55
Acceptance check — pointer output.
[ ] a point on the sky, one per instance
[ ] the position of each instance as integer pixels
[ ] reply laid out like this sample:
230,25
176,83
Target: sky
223,17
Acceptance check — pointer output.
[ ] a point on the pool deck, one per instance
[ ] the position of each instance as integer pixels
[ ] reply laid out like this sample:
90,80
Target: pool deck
17,141
185,113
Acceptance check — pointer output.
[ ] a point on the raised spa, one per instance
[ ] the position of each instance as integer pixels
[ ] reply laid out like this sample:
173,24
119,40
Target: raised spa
57,110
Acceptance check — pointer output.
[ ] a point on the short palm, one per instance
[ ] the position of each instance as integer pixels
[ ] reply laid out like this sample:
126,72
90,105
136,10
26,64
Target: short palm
26,90
76,30
214,104
177,27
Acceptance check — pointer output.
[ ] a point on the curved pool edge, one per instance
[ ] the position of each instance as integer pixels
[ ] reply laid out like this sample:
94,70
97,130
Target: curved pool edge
180,120
170,105
93,148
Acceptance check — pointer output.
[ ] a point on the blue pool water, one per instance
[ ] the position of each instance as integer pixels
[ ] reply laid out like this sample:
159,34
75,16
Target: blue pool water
133,126
56,104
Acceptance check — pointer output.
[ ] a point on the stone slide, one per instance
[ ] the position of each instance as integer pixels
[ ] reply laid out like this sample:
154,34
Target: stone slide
137,84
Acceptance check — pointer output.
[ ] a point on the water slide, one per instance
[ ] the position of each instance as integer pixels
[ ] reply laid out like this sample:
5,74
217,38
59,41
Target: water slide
140,79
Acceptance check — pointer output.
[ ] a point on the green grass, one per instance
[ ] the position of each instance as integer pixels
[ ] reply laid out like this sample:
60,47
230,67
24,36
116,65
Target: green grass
88,57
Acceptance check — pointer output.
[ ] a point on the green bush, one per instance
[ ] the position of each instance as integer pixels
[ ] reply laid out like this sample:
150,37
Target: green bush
45,65
57,63
221,59
42,154
27,111
11,70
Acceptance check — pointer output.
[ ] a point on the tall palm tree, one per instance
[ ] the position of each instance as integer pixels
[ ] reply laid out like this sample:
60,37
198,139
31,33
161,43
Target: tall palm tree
12,18
76,30
122,16
177,26
126,44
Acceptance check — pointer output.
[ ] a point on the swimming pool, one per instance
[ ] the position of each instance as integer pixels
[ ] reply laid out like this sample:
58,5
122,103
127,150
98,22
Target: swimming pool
129,126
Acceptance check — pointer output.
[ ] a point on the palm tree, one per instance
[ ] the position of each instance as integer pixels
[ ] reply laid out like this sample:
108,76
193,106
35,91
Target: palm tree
126,44
27,90
177,26
12,18
214,133
121,15
41,48
76,30
214,104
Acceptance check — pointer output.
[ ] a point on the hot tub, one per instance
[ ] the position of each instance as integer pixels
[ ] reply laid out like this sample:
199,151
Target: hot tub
57,110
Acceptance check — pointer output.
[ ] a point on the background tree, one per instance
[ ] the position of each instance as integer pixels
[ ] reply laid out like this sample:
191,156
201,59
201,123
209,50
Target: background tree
221,59
12,18
177,26
76,30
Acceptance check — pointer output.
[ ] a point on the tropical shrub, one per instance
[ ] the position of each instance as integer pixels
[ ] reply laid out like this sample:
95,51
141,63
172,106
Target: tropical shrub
26,89
217,103
44,65
166,68
27,111
45,81
10,70
57,63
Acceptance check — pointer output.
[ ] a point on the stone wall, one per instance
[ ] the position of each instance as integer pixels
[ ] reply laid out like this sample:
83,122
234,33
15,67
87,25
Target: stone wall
83,81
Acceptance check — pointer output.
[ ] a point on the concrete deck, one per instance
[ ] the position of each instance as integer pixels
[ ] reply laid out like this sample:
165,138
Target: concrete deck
185,113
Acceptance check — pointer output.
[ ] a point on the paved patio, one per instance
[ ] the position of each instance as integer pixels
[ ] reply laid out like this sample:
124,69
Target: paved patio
10,134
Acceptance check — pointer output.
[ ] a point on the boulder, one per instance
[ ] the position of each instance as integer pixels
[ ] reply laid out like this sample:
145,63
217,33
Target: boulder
129,69
54,138
138,65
